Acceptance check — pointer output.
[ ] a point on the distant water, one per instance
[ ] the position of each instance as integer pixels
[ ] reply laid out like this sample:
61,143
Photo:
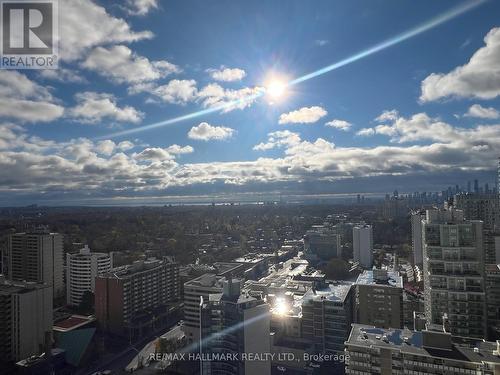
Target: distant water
222,199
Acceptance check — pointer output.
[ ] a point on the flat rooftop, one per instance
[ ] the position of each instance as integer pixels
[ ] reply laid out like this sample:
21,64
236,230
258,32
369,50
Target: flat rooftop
131,269
73,322
205,280
335,292
8,287
368,277
251,258
412,342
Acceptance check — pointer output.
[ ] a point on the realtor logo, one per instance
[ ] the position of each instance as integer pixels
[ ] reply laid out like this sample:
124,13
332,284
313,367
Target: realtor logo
29,34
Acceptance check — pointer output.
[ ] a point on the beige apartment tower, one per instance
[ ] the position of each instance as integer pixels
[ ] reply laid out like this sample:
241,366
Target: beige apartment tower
37,256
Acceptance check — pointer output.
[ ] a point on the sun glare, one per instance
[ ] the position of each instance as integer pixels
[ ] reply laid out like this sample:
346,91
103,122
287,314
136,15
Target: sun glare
281,307
275,89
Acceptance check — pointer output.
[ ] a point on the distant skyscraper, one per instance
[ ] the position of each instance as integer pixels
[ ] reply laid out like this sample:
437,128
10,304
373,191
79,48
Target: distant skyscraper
363,245
469,187
81,270
233,323
37,256
454,272
476,186
25,319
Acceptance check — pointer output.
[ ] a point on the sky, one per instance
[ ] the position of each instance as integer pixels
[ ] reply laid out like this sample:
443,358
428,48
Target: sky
157,99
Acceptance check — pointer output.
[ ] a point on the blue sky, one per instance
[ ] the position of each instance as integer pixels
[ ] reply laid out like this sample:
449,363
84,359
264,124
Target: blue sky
418,115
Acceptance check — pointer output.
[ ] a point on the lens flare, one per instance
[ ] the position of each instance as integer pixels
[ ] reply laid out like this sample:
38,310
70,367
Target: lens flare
276,90
436,21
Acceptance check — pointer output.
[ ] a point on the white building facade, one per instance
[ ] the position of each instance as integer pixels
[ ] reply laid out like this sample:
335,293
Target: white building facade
81,270
362,244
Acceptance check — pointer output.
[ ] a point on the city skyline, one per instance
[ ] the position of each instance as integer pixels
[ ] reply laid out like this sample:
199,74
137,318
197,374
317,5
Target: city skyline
316,98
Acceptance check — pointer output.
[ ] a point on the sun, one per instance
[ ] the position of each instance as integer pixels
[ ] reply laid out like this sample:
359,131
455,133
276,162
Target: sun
275,89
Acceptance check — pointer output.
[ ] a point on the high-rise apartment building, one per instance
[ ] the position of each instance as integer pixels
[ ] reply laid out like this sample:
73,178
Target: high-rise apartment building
454,272
25,319
327,317
362,244
234,324
81,271
483,207
379,298
492,280
416,237
486,207
373,350
322,242
194,290
134,299
37,256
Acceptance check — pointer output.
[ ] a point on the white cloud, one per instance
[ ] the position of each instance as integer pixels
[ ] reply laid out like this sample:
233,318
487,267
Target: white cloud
214,95
388,116
125,145
339,124
122,65
154,153
141,7
25,100
421,127
179,150
30,111
277,139
62,75
479,111
93,107
227,74
365,132
35,165
177,91
84,25
304,115
162,154
207,132
106,147
479,78
16,85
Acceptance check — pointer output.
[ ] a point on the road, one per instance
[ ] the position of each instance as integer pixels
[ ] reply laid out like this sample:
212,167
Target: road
120,360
